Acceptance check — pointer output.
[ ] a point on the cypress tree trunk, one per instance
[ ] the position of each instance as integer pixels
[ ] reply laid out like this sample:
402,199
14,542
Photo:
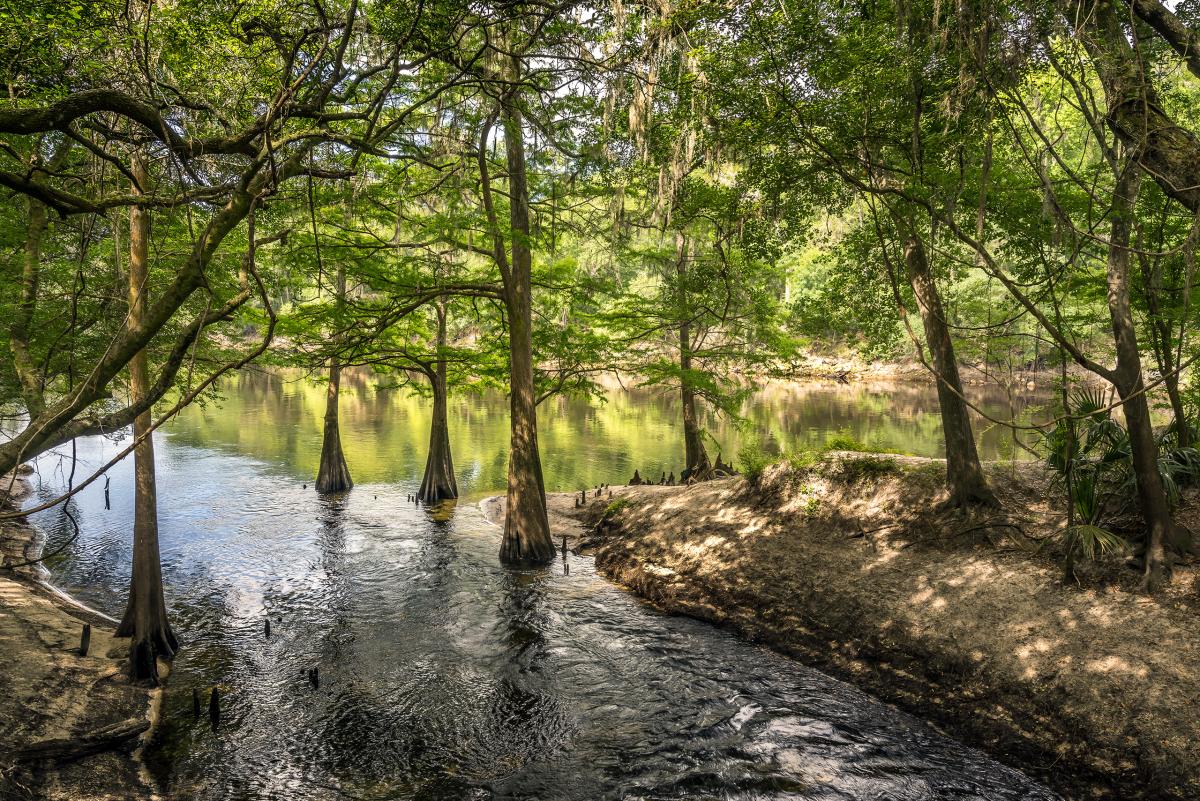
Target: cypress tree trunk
145,618
696,456
333,475
439,483
526,527
29,376
1127,377
696,464
23,365
964,475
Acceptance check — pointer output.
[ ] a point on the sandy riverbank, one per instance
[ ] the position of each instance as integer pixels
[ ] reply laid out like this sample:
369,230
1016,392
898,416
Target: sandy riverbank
52,696
1091,688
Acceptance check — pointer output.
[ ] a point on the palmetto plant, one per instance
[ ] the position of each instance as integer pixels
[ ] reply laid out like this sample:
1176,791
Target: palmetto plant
1088,542
1090,452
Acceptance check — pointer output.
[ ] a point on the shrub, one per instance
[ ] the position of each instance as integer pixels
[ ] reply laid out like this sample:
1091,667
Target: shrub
1089,543
845,441
614,508
1090,452
1094,452
752,461
804,460
867,467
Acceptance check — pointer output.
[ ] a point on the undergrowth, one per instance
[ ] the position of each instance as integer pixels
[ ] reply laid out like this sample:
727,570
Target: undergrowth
753,458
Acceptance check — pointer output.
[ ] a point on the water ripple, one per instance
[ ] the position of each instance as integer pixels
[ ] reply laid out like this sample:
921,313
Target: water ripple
443,676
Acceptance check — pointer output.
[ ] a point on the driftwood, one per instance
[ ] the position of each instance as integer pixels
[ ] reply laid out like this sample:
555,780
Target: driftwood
94,742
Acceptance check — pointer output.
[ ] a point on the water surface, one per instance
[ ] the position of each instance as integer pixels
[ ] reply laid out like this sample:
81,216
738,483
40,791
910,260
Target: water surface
442,675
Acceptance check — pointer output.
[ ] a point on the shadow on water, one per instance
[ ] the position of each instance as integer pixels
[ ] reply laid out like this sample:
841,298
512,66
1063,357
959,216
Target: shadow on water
444,676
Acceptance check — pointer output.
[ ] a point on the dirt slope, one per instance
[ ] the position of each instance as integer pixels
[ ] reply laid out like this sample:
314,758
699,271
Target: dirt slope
846,565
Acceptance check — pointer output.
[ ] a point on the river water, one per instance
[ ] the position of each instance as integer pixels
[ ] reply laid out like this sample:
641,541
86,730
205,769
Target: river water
444,676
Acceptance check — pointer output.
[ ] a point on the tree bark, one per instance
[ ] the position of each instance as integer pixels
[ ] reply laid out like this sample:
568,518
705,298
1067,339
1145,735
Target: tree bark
333,475
526,526
964,475
1127,378
1165,150
438,483
145,619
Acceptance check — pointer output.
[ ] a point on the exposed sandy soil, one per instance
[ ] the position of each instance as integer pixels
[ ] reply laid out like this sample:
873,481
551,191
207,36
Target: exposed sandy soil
49,692
1092,687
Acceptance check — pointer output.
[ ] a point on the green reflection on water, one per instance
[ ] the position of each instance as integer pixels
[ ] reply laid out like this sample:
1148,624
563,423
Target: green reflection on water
277,417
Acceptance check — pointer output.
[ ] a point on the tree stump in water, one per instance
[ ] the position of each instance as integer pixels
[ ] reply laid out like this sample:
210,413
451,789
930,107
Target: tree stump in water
85,639
214,708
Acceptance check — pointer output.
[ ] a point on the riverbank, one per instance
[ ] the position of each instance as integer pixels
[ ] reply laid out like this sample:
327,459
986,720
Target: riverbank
963,621
80,711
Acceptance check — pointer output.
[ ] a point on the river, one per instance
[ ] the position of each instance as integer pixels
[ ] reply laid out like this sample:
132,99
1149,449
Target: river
444,676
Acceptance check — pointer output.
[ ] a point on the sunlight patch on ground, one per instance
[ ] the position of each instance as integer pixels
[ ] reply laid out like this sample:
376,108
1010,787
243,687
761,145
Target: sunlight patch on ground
1115,664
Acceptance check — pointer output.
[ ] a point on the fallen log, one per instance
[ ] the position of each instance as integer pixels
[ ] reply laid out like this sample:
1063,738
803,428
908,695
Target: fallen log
66,749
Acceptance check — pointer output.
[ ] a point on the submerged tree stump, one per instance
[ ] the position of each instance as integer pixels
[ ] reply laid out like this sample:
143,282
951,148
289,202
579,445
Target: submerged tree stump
214,708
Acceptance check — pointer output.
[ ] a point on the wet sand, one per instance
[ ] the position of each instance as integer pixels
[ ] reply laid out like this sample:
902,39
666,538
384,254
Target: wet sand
49,692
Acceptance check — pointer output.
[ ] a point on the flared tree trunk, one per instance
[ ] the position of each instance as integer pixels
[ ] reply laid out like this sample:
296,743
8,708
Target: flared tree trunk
1127,377
695,454
333,475
526,526
439,483
964,475
145,618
